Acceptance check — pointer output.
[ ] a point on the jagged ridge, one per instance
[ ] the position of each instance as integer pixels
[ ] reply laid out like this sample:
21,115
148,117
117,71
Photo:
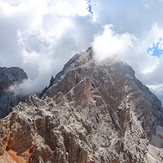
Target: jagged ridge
93,113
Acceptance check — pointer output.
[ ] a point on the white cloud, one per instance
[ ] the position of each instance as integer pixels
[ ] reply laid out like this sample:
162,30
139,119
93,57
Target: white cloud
129,16
156,88
41,37
110,44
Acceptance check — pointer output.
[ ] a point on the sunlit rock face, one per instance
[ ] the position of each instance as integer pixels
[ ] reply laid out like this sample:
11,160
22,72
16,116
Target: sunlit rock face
8,77
93,112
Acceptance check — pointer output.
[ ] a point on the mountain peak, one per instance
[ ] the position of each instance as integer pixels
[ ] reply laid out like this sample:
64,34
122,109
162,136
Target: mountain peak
92,112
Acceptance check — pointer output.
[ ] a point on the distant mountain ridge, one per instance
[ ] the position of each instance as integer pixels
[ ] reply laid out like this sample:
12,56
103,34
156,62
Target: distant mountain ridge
92,112
8,77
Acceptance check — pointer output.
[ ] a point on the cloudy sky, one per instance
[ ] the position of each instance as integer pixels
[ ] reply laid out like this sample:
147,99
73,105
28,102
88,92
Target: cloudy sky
40,36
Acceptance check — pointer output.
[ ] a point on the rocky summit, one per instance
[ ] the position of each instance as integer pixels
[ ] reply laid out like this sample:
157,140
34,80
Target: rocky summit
8,77
93,112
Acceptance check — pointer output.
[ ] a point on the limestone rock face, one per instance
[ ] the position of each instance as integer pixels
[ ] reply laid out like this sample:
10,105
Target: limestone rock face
8,77
93,113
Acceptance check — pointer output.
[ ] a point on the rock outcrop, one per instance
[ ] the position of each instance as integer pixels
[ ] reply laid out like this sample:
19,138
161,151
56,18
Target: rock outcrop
8,77
93,113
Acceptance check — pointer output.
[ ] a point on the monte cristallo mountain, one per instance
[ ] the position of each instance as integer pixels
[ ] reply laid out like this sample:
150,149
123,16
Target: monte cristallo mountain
92,112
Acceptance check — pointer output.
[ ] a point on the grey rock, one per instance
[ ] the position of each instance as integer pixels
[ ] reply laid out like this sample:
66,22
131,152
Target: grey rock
93,113
8,77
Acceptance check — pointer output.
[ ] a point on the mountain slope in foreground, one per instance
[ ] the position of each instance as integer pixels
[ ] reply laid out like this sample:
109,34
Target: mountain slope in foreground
92,113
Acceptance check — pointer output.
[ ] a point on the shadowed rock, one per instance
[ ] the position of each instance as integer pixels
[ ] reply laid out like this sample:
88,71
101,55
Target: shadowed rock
93,113
8,77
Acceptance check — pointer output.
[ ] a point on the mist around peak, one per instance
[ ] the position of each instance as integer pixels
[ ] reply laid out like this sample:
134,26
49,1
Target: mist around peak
110,44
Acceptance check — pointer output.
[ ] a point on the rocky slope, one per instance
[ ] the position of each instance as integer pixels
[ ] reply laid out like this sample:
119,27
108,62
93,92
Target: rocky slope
92,113
8,77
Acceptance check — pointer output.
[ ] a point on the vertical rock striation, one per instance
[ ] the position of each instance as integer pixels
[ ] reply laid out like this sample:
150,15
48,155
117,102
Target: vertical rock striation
92,113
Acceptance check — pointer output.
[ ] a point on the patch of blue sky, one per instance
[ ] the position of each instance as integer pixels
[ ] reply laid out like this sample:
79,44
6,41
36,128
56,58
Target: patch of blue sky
156,49
89,6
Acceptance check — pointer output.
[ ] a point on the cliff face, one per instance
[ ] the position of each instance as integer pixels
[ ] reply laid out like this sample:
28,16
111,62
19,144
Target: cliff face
92,113
8,77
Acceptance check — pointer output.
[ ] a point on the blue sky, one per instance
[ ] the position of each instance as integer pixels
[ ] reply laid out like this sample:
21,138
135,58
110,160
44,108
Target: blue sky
155,50
89,6
41,37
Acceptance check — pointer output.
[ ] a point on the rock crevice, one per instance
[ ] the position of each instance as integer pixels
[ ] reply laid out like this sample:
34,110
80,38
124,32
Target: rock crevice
92,113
